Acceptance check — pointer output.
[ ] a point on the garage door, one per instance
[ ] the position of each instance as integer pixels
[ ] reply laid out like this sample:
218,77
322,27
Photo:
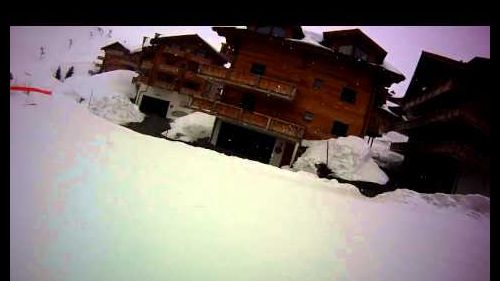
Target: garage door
154,106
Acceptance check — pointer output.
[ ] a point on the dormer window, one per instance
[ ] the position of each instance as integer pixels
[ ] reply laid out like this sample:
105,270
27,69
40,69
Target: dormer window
346,50
360,54
275,31
263,29
278,32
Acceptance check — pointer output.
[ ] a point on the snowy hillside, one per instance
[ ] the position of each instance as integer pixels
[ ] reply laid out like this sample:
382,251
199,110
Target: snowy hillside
91,200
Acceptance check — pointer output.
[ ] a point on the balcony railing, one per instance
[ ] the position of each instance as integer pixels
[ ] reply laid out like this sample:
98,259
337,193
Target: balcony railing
186,54
255,119
430,94
443,116
146,64
164,85
277,88
168,68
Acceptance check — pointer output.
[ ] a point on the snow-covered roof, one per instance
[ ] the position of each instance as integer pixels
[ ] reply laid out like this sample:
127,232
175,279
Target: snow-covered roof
386,108
311,38
315,39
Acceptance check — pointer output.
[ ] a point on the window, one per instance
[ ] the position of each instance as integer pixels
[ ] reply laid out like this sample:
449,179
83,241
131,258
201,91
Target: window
308,116
317,83
170,59
191,85
348,95
339,129
258,69
201,53
360,54
166,77
263,29
278,32
248,102
346,50
192,66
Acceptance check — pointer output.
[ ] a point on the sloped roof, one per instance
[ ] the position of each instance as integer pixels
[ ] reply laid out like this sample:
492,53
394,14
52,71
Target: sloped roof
195,38
116,46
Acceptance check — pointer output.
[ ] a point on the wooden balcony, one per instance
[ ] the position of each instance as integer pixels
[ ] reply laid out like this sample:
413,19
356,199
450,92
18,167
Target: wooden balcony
147,64
189,92
168,68
429,95
444,116
266,85
164,85
461,151
187,55
258,120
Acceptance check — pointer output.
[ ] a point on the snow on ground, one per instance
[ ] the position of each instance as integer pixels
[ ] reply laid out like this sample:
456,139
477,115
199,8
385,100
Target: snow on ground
91,200
106,94
348,157
191,127
29,66
381,149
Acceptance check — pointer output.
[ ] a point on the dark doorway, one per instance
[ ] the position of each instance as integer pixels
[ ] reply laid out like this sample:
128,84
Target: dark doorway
245,143
154,106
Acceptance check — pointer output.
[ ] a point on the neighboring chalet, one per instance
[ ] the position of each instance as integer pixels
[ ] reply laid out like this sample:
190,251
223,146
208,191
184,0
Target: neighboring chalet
448,110
117,56
168,74
285,85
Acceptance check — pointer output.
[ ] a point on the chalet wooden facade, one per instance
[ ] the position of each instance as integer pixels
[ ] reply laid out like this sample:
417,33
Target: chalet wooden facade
285,86
168,74
448,110
116,56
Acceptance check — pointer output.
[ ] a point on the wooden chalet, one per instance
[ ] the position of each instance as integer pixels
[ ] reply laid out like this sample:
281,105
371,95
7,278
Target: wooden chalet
448,110
285,85
168,74
116,56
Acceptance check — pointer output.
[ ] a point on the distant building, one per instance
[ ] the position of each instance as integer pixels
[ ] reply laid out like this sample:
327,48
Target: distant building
285,85
448,110
168,74
117,56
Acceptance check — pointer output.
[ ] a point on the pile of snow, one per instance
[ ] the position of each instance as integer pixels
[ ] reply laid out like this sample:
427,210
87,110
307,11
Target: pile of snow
189,128
348,157
106,94
91,200
381,149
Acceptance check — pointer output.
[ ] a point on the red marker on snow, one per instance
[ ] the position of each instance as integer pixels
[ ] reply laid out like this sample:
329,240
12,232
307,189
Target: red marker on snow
30,89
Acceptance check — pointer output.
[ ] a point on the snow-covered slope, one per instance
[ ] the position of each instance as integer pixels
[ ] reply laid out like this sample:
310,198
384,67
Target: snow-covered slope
106,95
91,200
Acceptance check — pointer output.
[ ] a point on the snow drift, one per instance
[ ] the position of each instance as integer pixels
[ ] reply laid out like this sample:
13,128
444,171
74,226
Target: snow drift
91,200
189,128
107,95
348,157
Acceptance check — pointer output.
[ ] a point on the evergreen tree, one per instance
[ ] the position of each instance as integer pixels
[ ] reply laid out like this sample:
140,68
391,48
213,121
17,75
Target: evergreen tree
69,73
58,74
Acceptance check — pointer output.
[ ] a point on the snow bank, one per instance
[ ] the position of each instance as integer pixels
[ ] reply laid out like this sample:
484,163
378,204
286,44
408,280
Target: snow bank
348,157
106,94
191,127
91,200
381,149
